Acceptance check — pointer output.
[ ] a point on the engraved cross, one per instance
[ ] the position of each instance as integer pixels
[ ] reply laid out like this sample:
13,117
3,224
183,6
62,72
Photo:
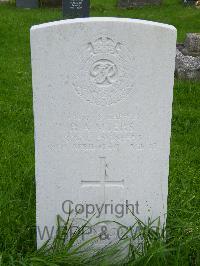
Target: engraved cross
104,178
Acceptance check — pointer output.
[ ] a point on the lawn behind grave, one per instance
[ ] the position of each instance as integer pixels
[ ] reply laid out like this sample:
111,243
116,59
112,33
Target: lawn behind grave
17,179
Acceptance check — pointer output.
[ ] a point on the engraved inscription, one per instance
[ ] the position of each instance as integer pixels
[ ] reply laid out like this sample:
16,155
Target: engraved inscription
101,133
76,4
104,72
87,133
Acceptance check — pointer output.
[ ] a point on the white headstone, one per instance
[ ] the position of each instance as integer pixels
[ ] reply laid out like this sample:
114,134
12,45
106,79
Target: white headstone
103,91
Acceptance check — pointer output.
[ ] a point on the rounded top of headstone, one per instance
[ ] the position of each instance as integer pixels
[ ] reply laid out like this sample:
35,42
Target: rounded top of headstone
103,19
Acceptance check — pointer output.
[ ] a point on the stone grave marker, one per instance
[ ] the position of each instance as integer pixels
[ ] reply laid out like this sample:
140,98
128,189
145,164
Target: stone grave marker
137,3
76,8
188,58
27,4
103,90
192,44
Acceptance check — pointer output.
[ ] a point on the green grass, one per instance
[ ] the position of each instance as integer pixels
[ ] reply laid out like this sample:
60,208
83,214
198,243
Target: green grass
17,184
185,19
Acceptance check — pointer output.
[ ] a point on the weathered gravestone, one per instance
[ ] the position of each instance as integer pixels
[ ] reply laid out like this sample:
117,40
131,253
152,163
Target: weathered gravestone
192,44
27,3
137,3
102,107
76,8
188,58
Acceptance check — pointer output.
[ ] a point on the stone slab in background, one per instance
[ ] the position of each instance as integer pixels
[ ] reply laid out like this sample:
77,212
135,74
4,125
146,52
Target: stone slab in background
187,67
188,58
102,90
27,3
192,44
76,8
137,3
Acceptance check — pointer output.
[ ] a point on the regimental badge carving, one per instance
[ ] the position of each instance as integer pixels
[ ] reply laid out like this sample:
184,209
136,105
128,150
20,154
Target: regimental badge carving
105,72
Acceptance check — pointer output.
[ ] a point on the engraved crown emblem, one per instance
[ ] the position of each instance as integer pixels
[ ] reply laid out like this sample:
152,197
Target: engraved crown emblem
104,45
105,70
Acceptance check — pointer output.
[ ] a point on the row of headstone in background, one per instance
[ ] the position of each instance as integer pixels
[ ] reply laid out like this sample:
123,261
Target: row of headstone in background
80,8
71,8
137,3
140,3
35,3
